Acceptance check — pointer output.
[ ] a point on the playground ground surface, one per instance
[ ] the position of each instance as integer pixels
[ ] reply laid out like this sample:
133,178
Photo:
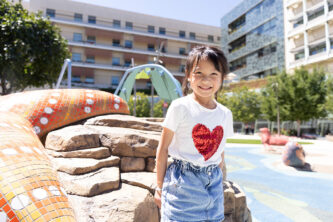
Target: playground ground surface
276,192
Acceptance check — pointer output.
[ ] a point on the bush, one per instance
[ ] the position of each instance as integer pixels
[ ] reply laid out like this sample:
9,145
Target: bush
142,105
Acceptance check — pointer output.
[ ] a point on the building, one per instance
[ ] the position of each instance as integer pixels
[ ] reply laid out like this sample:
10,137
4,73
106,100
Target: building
253,38
104,41
309,34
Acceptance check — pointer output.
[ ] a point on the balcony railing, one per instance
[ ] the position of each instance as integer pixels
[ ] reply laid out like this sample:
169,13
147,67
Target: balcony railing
200,40
121,48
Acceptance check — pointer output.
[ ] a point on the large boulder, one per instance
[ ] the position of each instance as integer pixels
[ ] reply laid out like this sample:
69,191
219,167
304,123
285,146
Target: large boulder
124,122
72,138
128,204
95,153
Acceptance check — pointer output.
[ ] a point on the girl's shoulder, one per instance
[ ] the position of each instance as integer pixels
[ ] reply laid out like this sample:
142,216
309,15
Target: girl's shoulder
223,108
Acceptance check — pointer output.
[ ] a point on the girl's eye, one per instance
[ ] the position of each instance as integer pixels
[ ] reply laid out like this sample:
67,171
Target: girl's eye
214,74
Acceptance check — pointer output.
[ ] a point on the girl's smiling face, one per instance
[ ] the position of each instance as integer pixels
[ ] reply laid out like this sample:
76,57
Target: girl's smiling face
205,80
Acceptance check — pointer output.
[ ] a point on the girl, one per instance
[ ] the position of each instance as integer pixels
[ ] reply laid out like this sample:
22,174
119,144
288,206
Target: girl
194,135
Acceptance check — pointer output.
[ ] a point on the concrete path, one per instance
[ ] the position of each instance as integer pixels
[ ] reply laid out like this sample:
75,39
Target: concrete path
278,193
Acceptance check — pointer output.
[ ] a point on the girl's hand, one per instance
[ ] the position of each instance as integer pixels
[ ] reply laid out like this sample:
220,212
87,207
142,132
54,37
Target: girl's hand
157,197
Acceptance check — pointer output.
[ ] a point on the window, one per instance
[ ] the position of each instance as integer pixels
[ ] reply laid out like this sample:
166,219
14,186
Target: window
129,25
116,42
162,31
318,48
265,28
182,68
237,44
91,39
92,19
114,80
50,12
238,64
236,24
151,29
78,17
299,55
267,50
182,34
115,61
316,13
127,63
76,57
128,44
218,38
89,80
182,51
90,59
151,47
77,37
76,79
163,49
116,23
192,35
210,38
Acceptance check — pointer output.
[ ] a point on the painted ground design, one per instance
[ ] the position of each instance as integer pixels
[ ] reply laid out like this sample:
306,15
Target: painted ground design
279,195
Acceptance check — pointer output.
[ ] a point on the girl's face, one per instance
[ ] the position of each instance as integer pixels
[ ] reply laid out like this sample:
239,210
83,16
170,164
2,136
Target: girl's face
205,80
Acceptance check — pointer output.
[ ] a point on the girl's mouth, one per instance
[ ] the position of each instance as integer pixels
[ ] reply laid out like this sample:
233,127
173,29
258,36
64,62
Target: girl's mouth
205,88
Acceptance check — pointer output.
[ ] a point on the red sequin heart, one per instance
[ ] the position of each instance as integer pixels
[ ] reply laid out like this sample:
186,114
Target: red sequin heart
205,141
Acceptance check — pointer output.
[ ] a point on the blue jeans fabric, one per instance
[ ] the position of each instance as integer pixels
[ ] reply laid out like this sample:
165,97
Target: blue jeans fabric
192,193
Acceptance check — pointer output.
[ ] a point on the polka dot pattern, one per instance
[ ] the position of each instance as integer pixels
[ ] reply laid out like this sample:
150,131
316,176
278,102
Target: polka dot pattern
34,114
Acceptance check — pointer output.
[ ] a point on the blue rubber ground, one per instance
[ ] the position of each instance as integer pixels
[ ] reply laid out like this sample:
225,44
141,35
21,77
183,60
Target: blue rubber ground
279,195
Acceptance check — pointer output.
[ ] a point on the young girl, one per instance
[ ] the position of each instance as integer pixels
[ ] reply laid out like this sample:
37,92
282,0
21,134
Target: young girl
194,135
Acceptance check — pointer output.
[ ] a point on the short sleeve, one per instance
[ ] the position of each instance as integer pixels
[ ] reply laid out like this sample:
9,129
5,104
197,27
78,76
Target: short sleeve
230,125
173,117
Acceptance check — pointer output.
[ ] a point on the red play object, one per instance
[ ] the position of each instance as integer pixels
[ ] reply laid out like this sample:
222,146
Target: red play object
268,139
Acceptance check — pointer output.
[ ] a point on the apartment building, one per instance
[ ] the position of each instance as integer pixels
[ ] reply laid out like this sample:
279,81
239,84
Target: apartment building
104,41
253,38
309,34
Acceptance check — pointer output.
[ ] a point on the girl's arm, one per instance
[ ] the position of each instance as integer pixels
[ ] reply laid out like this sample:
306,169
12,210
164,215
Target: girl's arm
161,161
223,166
162,155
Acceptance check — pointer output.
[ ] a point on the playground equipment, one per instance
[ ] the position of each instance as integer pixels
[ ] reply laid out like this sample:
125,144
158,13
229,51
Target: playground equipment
267,139
167,87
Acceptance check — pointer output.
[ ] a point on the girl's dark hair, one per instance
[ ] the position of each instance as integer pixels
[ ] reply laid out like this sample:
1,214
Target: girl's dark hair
213,54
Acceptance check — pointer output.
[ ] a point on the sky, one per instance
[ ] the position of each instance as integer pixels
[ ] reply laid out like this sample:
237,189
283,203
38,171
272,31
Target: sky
208,12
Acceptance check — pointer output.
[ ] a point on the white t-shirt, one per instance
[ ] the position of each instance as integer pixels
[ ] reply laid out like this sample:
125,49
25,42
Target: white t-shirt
199,133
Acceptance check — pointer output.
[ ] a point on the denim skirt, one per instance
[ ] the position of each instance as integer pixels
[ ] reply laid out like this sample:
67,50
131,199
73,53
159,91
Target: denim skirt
192,193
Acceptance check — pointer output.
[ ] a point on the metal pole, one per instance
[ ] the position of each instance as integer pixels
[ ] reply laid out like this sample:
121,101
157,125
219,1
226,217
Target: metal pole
134,100
69,74
152,101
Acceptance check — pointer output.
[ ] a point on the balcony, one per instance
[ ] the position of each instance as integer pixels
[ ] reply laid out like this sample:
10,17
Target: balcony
99,66
122,49
291,3
134,32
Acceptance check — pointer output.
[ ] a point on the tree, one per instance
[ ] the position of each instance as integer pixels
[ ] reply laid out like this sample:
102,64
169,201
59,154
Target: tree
300,96
243,103
31,49
329,98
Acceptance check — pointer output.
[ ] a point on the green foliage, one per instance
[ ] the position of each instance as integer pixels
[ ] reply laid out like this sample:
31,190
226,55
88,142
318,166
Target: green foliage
300,96
32,50
142,105
244,104
158,108
329,98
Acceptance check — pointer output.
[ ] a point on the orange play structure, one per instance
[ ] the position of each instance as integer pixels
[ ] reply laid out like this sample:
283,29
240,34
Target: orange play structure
29,188
268,139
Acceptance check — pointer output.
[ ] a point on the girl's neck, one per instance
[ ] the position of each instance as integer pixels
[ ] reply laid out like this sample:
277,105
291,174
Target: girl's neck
208,103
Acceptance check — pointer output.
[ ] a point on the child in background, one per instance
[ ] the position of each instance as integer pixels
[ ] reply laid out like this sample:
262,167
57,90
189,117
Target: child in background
194,135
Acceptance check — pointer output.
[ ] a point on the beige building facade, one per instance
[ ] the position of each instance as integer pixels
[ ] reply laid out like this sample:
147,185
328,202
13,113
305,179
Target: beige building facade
309,34
104,41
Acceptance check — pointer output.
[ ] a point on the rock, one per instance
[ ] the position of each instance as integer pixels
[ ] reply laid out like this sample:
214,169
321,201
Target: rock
91,184
152,119
77,166
144,180
95,153
150,165
293,155
128,164
72,138
125,122
235,203
128,204
128,142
